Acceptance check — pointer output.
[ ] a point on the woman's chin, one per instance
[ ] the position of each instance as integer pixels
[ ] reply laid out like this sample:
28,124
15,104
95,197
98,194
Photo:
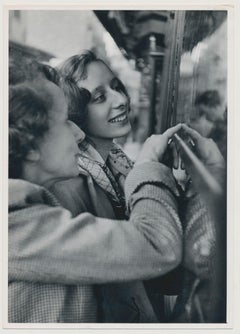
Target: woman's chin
110,133
74,172
124,131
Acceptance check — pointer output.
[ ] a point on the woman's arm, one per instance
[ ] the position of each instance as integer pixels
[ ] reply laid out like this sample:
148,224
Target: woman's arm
47,245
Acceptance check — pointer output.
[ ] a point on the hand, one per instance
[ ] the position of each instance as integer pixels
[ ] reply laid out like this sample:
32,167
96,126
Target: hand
155,146
171,156
205,148
208,170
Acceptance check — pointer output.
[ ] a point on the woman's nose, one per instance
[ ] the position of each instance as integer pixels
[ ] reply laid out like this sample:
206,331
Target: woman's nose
77,132
119,99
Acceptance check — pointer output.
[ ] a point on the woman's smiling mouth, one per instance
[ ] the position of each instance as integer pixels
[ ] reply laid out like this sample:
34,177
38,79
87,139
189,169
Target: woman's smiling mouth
119,118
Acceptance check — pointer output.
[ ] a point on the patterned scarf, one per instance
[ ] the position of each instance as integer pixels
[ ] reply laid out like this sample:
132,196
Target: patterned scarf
109,175
124,302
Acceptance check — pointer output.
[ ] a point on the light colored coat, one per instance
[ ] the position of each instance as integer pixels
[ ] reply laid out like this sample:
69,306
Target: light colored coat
50,249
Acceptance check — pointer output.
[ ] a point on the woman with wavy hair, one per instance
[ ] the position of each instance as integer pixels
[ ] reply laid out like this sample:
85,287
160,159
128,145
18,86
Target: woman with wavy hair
106,118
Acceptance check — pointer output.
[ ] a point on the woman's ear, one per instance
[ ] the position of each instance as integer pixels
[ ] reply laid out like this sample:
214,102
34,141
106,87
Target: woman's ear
33,155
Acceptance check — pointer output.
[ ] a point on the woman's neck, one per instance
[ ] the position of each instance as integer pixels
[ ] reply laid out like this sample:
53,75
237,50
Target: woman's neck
102,145
32,173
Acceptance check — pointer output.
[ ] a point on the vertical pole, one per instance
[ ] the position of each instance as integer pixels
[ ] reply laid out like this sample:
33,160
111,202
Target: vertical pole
152,116
154,56
171,70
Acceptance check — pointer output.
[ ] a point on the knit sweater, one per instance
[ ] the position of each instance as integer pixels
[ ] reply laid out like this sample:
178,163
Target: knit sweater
55,259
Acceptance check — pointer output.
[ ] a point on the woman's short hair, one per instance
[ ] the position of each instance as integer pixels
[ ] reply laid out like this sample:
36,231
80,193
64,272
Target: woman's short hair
73,70
22,69
28,122
28,110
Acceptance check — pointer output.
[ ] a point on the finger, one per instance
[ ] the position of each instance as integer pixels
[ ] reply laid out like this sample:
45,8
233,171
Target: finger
167,158
170,132
191,132
182,164
175,156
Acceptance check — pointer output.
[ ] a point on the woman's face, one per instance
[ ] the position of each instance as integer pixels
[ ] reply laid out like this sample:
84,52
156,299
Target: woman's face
59,147
108,109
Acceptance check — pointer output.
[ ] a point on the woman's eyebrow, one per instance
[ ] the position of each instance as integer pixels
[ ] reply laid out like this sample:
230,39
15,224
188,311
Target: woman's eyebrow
101,88
97,89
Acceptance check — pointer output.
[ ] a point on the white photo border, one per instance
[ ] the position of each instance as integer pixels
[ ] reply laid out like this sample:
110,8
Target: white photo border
233,230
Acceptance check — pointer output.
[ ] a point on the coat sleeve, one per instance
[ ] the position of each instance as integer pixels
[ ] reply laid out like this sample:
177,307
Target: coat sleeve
47,245
204,219
199,236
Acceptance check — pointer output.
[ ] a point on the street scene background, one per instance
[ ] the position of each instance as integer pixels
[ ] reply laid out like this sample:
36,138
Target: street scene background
173,63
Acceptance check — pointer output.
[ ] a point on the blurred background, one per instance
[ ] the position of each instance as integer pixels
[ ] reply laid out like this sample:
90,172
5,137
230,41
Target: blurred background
173,63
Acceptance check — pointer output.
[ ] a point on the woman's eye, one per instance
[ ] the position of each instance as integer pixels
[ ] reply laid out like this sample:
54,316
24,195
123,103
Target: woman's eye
98,98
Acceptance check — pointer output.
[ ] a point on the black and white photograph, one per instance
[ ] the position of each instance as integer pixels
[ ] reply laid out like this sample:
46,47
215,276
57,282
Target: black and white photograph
118,140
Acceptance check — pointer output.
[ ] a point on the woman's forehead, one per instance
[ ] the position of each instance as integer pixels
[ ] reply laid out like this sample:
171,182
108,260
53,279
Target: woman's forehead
58,102
97,74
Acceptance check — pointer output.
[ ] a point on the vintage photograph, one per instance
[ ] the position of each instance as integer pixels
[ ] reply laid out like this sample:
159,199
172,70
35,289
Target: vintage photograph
117,164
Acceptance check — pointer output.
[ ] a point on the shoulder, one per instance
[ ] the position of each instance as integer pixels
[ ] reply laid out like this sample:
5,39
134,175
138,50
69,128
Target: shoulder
72,193
22,193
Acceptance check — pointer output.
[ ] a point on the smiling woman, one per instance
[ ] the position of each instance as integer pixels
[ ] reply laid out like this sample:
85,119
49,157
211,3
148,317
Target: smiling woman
108,109
109,105
106,118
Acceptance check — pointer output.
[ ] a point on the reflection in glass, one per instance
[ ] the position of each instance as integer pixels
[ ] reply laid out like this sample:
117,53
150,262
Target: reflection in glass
202,91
